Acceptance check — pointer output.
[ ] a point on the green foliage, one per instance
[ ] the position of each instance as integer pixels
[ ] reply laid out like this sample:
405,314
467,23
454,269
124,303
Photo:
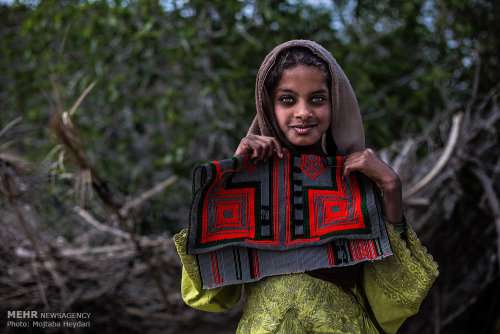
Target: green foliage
175,79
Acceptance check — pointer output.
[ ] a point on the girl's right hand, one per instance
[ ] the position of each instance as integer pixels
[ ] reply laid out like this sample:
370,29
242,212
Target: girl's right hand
259,148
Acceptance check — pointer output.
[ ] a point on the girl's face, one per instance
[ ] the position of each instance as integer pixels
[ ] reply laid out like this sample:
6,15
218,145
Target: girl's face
302,105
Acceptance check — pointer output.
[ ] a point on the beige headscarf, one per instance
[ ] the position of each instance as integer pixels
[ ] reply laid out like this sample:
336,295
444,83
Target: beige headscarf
346,127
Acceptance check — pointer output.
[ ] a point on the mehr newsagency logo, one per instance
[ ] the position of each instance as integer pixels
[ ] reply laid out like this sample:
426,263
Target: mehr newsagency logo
35,319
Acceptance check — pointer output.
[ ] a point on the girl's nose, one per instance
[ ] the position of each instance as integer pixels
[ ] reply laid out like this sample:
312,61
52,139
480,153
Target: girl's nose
302,111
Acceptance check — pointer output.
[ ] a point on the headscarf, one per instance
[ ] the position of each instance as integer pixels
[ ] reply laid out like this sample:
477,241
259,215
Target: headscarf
346,127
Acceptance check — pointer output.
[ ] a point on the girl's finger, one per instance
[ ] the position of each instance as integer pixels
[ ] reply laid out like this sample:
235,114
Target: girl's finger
278,148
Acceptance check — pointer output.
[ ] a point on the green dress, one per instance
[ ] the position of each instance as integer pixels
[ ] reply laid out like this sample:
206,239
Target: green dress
392,289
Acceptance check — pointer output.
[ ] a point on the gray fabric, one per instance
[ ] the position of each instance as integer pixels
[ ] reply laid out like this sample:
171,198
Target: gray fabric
236,265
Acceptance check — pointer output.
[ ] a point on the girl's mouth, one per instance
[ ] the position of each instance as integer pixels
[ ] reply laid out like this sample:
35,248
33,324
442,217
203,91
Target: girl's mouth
303,129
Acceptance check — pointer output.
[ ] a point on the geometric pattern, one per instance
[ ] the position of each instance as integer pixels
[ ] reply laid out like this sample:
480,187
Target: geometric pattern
288,214
329,212
234,216
248,164
292,202
311,165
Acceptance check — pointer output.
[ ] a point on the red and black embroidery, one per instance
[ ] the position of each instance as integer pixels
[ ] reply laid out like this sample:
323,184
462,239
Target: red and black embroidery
312,165
281,203
297,206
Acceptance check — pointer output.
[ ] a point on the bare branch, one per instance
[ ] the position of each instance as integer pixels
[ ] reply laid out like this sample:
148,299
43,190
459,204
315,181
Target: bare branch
87,217
147,195
442,160
10,125
81,98
403,155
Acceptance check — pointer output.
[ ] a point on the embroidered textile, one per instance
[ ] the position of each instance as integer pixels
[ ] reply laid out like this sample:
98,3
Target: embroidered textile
287,215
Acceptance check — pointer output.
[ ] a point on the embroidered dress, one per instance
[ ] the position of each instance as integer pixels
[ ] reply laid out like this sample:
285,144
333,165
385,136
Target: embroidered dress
298,303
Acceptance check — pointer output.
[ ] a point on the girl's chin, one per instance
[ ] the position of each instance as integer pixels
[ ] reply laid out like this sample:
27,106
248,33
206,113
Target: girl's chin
308,148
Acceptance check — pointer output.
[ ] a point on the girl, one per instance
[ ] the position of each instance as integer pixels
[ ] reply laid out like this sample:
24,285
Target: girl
305,105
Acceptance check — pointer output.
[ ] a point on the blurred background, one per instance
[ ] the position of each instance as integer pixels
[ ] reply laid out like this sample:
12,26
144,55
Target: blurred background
107,106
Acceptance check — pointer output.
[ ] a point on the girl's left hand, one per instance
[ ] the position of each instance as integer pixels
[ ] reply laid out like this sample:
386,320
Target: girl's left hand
368,163
386,179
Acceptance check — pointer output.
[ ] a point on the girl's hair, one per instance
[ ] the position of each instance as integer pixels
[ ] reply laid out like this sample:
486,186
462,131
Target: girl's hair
291,58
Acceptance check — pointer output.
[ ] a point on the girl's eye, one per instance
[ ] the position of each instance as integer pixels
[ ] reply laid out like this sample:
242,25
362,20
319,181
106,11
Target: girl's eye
318,99
287,99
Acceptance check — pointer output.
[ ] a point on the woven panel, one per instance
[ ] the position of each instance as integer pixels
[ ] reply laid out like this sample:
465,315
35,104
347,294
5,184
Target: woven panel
285,203
286,215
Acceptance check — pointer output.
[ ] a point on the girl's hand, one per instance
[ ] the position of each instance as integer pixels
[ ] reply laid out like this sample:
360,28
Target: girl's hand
369,164
259,148
384,177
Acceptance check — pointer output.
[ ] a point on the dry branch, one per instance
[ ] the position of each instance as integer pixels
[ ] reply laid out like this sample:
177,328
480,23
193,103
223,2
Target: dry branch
450,145
92,221
451,215
147,195
81,98
10,125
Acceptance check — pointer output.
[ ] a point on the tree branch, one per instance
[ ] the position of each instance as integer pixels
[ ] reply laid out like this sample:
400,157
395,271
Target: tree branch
450,145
